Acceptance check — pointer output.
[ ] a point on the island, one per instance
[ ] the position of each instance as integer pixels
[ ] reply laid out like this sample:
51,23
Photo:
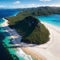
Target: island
36,35
29,37
30,28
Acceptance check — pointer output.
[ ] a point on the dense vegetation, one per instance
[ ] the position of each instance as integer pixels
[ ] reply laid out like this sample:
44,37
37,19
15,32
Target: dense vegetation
30,28
43,10
39,11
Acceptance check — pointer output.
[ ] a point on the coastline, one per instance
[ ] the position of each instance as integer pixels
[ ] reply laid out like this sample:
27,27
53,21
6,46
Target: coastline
54,46
51,49
34,55
5,23
14,36
47,51
50,27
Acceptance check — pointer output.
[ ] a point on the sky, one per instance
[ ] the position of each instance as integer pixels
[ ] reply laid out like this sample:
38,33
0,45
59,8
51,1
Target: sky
28,3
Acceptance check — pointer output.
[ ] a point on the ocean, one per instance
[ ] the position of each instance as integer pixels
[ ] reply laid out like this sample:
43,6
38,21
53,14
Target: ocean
3,36
52,19
8,12
6,50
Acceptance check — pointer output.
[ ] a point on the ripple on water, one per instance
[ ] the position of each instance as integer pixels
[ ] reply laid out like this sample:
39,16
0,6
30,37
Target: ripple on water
5,42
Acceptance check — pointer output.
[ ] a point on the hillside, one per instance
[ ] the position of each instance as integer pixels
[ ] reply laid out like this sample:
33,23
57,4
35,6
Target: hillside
30,28
39,11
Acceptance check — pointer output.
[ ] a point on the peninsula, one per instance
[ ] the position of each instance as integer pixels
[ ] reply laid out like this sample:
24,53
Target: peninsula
31,29
36,35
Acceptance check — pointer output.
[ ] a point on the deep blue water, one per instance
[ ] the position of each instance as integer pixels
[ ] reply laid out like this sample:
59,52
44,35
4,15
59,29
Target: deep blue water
5,13
8,12
52,19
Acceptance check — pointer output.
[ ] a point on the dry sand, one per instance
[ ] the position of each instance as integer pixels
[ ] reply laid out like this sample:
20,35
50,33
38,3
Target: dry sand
33,54
4,24
51,49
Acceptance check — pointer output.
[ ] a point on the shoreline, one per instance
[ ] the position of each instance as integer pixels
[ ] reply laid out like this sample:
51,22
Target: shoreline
51,49
49,27
48,50
54,46
19,51
13,36
57,28
34,55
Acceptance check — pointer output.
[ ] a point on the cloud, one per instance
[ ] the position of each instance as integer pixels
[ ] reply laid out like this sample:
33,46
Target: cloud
33,5
45,0
28,5
55,5
2,6
25,5
16,2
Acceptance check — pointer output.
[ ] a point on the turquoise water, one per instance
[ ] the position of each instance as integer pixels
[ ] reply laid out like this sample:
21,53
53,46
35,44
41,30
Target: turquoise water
1,21
52,19
5,42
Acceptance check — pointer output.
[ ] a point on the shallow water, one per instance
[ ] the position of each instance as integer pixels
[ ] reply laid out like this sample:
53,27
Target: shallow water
52,19
4,36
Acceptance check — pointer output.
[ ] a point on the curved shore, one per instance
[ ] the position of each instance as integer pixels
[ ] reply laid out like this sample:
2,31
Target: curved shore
49,50
34,55
20,52
14,35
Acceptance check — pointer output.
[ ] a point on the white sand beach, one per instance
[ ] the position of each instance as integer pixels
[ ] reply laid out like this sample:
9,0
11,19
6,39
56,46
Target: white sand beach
16,38
49,50
5,23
